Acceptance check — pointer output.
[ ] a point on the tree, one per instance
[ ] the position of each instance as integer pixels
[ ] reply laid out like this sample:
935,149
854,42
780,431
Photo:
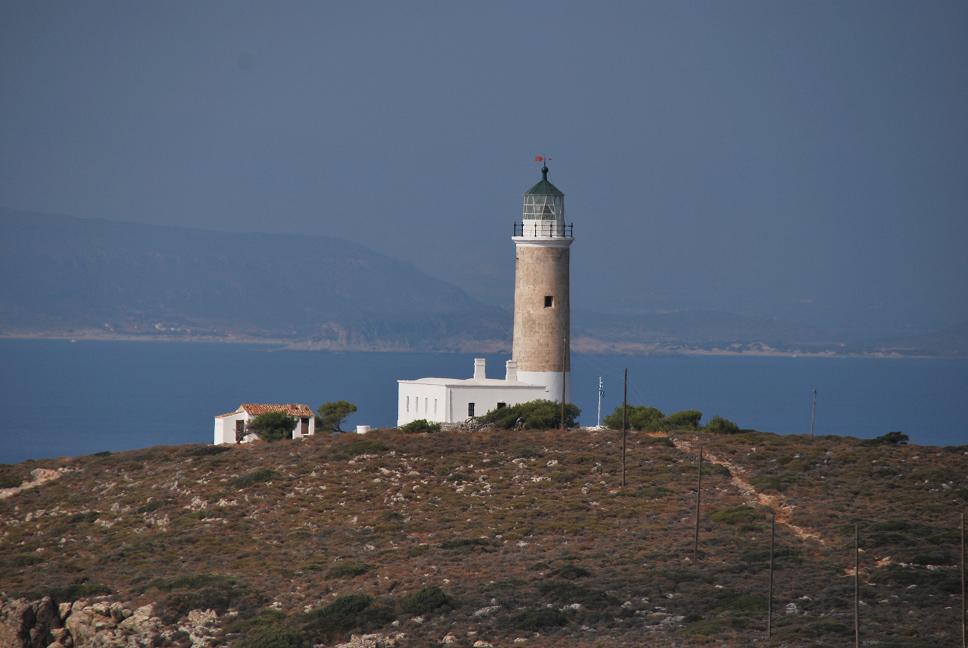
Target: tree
331,415
721,425
686,419
536,414
641,417
272,426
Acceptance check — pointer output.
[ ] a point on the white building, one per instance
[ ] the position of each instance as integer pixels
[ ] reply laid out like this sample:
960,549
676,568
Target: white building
541,357
231,427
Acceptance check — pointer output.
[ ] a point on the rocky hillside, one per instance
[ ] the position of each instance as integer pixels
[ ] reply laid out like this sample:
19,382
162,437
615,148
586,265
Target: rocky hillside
482,539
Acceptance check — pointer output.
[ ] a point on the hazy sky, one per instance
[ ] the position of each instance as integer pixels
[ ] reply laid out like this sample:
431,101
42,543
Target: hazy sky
794,159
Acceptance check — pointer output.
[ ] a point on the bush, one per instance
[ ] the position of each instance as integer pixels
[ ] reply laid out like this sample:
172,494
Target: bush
346,613
736,515
641,417
357,447
891,438
566,592
11,476
539,619
536,414
206,450
650,419
420,426
342,570
272,426
424,600
464,543
273,637
255,477
331,415
206,592
720,425
684,420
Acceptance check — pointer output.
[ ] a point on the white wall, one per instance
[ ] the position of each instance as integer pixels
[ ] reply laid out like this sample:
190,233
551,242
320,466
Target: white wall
551,380
486,399
421,401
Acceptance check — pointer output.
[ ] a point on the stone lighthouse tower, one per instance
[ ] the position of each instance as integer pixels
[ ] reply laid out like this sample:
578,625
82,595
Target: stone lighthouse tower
542,321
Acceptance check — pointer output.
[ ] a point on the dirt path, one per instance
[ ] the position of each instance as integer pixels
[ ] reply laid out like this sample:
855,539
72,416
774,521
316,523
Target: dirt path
777,503
38,477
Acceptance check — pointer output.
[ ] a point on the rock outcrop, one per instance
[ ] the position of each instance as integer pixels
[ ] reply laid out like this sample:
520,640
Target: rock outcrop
99,623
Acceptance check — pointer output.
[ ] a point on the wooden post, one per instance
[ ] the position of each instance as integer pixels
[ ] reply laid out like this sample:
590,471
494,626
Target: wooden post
769,608
964,606
695,546
625,420
856,586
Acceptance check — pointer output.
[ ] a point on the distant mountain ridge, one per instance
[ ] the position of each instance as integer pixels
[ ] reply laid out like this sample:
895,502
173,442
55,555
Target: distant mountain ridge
62,274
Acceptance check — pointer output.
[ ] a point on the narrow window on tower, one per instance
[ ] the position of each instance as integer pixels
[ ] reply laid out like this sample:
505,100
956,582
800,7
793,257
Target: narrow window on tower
549,301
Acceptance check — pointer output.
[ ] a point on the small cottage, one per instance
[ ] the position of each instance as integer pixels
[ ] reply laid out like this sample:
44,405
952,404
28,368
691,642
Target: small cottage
231,427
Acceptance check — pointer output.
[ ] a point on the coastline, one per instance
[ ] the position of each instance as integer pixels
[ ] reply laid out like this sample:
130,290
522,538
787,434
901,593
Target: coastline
584,345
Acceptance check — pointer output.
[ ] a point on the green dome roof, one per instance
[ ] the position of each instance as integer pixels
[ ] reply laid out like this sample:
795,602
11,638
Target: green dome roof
544,187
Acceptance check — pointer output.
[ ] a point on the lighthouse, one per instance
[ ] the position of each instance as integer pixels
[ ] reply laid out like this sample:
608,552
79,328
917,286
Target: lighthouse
540,361
542,304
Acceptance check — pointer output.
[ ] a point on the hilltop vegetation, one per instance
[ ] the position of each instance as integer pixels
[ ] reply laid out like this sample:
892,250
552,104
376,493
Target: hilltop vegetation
497,535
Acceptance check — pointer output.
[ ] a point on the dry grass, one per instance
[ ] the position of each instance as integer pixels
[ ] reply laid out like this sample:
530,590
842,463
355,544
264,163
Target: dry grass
519,532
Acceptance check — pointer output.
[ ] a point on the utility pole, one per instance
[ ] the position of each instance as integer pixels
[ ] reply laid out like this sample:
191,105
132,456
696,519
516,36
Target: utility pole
769,609
601,392
564,359
695,546
813,412
856,586
964,605
625,418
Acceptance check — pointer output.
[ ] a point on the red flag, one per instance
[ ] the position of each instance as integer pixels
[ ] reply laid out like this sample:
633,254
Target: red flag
538,158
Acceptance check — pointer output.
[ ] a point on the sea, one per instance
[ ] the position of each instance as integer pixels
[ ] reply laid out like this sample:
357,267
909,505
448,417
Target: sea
64,398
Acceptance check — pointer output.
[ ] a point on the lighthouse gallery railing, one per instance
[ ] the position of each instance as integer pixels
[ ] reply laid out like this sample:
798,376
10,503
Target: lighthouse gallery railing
544,230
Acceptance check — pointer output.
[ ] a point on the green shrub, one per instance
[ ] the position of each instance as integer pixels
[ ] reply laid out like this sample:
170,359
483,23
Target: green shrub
535,415
424,600
272,426
571,572
420,426
346,613
356,447
20,560
775,483
85,517
274,637
464,543
539,619
205,592
684,420
342,570
720,425
891,438
651,419
736,515
641,417
255,477
565,592
12,476
205,450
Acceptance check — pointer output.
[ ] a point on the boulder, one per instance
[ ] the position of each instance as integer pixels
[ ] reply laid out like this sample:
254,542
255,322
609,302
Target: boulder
28,624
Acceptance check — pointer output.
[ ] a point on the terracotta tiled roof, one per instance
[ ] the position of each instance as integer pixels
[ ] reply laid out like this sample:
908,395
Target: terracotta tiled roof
255,409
